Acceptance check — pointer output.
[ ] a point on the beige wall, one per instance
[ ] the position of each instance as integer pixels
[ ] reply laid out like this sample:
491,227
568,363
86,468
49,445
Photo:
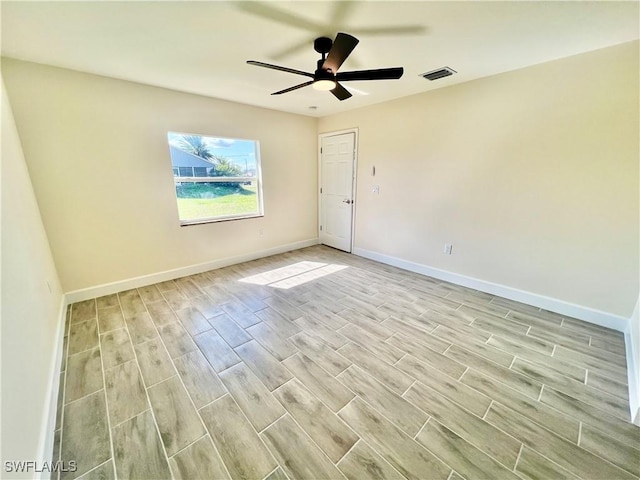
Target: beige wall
97,151
31,309
532,175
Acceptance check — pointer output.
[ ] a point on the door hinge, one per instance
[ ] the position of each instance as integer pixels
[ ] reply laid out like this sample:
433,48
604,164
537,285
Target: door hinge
320,189
320,149
320,227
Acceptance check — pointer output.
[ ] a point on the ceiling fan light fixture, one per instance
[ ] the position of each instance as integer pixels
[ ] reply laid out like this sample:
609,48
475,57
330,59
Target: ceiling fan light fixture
324,85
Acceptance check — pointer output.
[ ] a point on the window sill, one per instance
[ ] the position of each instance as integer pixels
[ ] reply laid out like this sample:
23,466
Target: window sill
201,221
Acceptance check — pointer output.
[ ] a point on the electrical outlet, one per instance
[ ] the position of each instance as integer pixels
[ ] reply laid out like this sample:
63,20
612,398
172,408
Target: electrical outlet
375,189
447,248
261,232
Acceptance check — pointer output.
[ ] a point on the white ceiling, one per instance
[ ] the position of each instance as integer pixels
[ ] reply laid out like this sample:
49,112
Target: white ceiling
202,47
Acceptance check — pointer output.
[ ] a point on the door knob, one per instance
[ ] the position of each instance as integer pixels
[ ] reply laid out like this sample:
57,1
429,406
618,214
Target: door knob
346,201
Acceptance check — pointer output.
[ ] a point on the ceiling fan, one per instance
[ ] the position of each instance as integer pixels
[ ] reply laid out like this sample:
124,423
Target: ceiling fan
326,76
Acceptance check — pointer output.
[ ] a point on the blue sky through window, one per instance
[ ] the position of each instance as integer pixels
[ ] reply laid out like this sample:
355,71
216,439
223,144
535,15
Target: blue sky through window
239,152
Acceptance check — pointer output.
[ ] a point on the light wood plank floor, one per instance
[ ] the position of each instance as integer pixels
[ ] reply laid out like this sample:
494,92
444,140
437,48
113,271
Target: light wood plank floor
319,364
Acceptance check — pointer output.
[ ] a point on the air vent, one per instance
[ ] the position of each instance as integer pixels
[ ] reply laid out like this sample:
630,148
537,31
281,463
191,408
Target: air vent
439,73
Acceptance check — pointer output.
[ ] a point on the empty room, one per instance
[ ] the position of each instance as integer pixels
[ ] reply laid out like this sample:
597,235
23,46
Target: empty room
320,240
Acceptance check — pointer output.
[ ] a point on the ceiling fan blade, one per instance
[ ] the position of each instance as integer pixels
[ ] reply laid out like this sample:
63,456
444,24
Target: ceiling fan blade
343,45
290,89
340,92
282,69
399,30
264,10
378,74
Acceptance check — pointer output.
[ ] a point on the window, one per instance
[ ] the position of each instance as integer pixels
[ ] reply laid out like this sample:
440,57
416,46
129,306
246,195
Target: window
216,178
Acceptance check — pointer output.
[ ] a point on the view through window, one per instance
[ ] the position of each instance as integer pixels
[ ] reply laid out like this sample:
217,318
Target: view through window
216,178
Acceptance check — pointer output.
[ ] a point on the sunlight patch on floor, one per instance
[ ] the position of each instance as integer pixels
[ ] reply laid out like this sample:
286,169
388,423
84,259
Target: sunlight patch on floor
293,275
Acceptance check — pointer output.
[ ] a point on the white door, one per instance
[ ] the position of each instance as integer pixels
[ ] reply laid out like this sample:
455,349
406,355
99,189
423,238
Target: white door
337,156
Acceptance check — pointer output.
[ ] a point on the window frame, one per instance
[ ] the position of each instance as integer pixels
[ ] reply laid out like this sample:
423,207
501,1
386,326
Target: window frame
220,218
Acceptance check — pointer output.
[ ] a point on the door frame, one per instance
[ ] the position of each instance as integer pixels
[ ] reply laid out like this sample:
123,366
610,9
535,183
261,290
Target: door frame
354,182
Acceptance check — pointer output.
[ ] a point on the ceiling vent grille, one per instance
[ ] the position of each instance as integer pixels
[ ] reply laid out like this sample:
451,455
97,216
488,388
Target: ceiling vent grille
439,73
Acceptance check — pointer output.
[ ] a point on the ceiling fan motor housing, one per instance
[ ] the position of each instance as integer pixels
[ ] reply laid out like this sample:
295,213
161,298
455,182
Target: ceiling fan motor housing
323,74
322,45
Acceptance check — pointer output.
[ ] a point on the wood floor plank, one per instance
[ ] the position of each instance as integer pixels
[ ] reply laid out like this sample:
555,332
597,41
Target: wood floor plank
385,373
613,371
110,318
540,413
557,449
473,429
199,378
445,364
333,437
149,294
140,327
474,401
83,336
320,382
161,313
176,339
364,308
315,327
188,287
229,330
366,323
613,426
320,353
220,355
154,361
108,301
83,311
198,460
619,453
363,463
207,307
522,383
84,374
473,345
371,342
176,299
402,413
278,322
266,367
89,414
106,471
296,453
175,415
131,303
320,311
126,395
285,308
240,313
606,384
277,474
609,403
533,466
459,454
254,399
401,451
137,449
275,342
193,321
433,342
240,448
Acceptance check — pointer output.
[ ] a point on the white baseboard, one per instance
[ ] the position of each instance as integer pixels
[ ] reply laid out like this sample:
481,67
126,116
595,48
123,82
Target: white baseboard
632,378
580,312
119,286
47,434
